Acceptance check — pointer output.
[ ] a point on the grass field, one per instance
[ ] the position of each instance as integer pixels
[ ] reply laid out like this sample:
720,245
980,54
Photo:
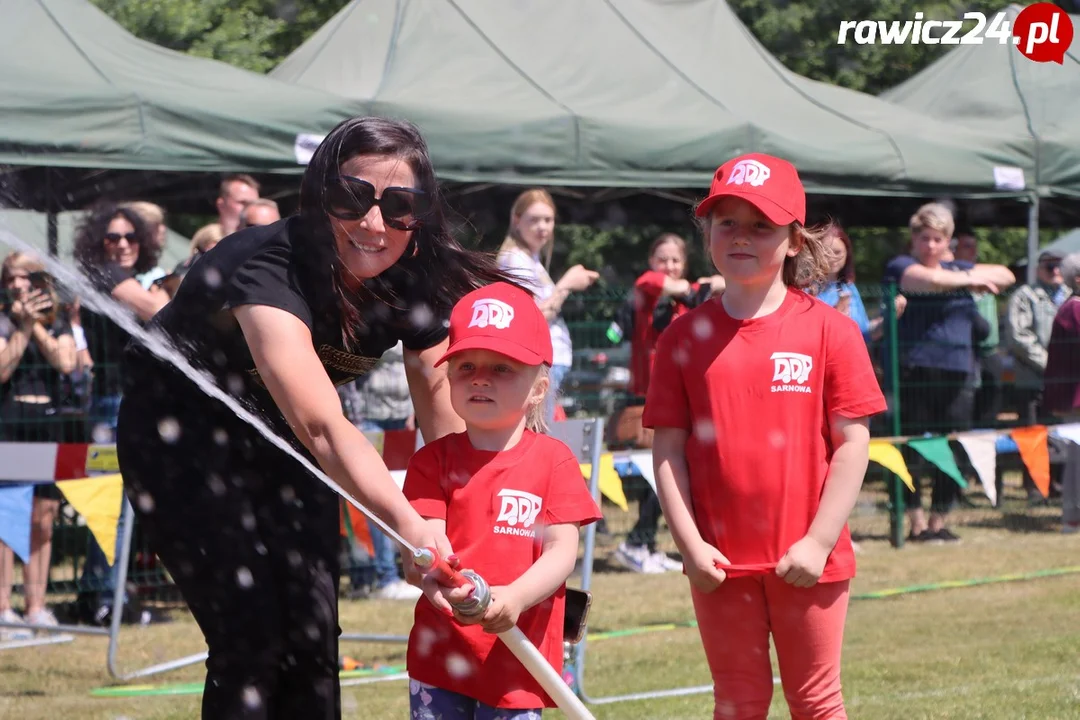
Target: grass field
997,651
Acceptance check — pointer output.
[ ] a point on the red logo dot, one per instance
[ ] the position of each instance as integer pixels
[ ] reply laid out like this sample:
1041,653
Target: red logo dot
1043,32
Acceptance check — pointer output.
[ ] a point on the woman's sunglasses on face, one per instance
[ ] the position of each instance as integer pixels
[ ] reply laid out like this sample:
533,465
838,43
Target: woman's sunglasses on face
352,198
131,237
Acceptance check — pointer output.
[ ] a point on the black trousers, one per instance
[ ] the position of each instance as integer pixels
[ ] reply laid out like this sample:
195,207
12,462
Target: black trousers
938,402
251,540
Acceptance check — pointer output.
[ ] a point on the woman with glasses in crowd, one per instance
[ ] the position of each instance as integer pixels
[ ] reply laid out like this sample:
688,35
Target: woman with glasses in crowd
279,315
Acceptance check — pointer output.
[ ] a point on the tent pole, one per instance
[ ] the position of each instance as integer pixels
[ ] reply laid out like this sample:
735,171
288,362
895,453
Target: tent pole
1033,238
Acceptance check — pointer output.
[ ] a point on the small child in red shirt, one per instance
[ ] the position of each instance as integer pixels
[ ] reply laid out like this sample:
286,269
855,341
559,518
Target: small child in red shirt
760,400
510,500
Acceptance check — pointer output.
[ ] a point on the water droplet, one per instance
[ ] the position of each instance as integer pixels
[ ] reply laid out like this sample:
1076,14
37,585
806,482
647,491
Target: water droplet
212,277
777,439
217,485
287,494
252,698
458,666
244,578
295,559
260,548
705,430
221,437
247,521
680,356
312,631
169,430
145,501
421,316
703,327
102,434
235,384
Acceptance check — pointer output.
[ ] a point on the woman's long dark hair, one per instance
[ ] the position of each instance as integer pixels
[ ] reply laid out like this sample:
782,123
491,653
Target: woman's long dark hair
440,261
90,237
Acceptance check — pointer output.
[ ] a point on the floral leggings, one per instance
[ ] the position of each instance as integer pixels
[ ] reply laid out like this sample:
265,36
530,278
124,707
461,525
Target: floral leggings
427,702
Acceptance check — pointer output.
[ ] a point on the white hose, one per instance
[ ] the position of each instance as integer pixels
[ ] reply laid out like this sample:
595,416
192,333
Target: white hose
541,669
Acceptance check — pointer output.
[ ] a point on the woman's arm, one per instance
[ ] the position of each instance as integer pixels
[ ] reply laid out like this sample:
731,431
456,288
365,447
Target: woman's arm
11,351
1000,275
281,346
804,561
430,390
144,303
58,351
921,279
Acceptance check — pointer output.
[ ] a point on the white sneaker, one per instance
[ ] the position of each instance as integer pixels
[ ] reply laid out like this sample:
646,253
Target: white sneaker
666,562
636,558
8,633
398,590
42,617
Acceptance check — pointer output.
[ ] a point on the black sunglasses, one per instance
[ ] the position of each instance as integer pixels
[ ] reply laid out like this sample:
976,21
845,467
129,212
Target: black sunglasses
352,198
116,237
1050,264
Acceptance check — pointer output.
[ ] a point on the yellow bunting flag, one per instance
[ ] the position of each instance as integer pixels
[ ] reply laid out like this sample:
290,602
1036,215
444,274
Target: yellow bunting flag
888,456
98,500
1031,441
610,482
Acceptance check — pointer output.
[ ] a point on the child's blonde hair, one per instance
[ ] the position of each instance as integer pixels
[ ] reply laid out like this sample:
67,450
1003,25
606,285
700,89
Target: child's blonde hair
536,417
815,259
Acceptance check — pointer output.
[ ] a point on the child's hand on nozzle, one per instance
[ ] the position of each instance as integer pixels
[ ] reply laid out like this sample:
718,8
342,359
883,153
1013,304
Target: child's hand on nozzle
701,563
440,595
501,615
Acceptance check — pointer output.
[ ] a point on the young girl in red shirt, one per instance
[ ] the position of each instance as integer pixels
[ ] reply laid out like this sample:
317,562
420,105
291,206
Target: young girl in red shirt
510,500
760,400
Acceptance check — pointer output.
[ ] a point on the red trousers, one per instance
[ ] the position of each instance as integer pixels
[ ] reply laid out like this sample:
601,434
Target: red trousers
807,626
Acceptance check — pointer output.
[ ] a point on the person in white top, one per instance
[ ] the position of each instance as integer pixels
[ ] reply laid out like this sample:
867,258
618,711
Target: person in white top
531,235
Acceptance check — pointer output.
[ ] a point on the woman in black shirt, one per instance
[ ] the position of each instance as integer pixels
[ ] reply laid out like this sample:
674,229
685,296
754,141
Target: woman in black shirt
279,315
36,350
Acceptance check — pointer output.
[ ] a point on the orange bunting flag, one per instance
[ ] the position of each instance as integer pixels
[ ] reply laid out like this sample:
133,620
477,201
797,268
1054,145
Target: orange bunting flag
1031,441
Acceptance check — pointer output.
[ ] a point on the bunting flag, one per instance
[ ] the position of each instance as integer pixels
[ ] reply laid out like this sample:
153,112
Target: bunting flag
1070,432
887,455
98,499
610,482
937,451
16,507
354,525
981,449
644,464
1031,441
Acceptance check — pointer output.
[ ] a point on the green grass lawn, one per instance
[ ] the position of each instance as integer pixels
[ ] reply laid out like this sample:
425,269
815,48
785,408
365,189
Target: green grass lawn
1002,651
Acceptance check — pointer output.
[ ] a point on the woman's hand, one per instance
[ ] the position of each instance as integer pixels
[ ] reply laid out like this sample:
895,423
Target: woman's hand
900,304
701,562
843,304
803,563
31,308
577,278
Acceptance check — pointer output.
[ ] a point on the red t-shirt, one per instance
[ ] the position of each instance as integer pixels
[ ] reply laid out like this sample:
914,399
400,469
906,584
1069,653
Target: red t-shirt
647,291
755,396
495,506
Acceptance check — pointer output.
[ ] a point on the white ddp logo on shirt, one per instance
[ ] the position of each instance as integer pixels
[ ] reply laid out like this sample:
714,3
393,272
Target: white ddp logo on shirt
518,508
791,368
749,171
491,312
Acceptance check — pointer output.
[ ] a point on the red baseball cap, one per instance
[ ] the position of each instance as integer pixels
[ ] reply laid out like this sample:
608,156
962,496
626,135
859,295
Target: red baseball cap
772,185
501,318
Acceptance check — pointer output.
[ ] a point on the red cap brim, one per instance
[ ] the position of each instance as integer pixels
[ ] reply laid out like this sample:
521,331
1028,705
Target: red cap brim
504,347
770,209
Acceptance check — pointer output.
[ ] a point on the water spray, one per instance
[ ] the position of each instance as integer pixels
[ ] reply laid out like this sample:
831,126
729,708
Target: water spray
426,559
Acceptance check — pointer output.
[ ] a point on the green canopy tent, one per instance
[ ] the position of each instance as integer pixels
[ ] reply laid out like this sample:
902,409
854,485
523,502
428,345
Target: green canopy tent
626,93
993,88
79,92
